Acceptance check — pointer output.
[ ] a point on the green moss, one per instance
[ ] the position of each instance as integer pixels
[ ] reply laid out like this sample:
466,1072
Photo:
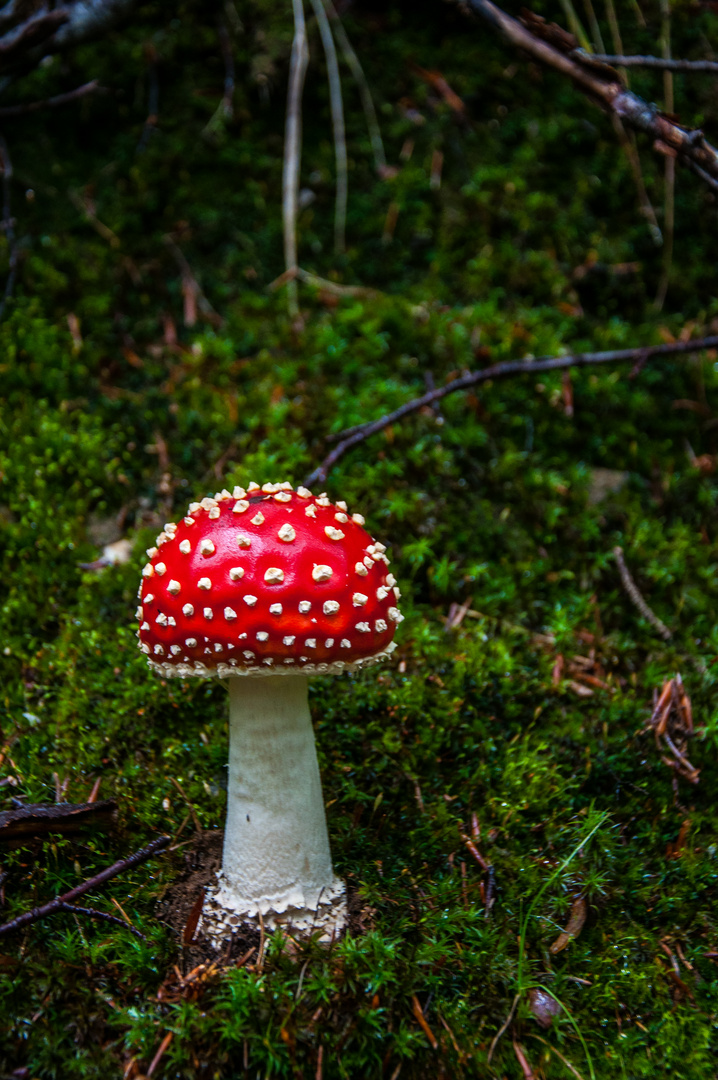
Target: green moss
492,501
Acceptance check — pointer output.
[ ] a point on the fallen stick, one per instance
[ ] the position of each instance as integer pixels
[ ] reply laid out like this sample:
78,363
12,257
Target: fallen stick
363,86
608,92
95,913
296,272
9,111
337,109
36,819
657,62
351,436
635,596
59,902
293,150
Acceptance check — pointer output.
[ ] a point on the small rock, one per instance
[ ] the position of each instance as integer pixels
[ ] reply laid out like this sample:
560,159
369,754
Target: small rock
603,482
543,1006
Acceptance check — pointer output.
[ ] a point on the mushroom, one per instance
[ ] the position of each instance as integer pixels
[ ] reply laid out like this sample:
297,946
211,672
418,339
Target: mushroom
266,586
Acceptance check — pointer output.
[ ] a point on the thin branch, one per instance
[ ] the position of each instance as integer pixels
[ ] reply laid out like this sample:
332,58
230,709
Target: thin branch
367,101
636,598
615,34
89,20
34,819
293,148
595,28
59,902
340,142
690,146
658,62
352,436
627,139
574,23
23,44
690,771
34,32
95,913
502,1029
669,167
9,111
296,273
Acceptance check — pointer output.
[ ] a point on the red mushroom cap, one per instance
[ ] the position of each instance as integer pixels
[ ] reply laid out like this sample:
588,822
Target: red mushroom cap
266,581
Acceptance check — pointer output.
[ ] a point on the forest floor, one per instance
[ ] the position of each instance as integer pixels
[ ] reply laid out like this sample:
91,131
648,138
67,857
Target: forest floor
526,858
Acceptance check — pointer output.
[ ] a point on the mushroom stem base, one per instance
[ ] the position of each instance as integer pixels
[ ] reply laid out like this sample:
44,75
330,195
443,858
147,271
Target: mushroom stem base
224,914
276,866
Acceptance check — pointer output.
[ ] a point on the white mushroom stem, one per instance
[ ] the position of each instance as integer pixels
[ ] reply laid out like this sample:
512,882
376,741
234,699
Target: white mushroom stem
276,848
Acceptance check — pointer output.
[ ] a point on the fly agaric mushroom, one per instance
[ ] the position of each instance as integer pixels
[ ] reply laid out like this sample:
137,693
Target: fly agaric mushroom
273,585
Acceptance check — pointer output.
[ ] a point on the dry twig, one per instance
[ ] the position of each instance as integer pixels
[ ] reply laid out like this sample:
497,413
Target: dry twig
160,1052
35,819
340,142
293,149
9,111
190,807
59,902
657,62
95,913
367,101
636,598
672,724
352,436
502,1029
607,90
26,35
333,287
669,168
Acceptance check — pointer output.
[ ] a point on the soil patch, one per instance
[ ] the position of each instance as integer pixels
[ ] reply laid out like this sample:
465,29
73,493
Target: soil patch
179,906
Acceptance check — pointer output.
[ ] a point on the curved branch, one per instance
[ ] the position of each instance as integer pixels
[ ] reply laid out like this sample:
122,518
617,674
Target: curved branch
337,107
351,436
293,148
25,40
9,111
60,902
607,91
364,92
657,62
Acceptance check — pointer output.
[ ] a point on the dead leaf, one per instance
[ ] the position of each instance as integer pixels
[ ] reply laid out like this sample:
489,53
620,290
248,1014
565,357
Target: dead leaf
523,1062
421,1020
438,83
573,928
192,920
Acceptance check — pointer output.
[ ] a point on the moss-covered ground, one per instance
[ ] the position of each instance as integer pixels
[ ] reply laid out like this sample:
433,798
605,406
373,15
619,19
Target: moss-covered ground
115,413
